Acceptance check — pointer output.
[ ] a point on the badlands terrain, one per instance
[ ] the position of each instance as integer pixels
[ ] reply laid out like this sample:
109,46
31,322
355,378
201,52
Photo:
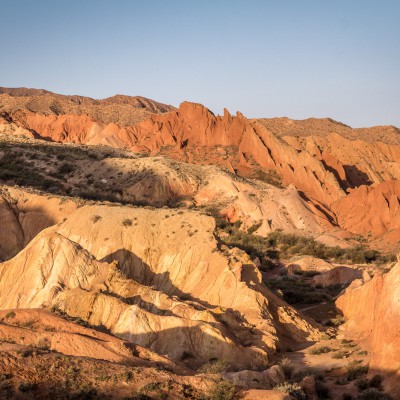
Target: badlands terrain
154,252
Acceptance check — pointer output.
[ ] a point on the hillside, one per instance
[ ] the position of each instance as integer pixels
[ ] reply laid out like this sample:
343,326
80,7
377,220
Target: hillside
124,110
158,253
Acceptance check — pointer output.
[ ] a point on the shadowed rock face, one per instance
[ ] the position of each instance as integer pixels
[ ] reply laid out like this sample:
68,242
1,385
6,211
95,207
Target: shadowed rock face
370,209
67,337
360,160
323,159
372,311
24,215
46,348
161,283
188,129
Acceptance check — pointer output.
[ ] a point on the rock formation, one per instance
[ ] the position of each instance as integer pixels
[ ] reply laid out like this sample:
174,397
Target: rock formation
324,160
370,209
160,278
24,215
340,276
113,226
124,110
371,311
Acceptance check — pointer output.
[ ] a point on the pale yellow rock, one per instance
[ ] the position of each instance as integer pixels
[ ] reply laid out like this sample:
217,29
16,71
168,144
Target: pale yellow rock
161,282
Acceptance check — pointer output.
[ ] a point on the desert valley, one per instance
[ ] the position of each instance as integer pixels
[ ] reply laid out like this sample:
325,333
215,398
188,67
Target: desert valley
154,252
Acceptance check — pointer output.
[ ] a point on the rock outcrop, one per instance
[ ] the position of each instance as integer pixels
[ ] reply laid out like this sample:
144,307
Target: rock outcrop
370,209
323,159
355,161
24,214
308,263
341,275
372,311
187,133
41,328
160,280
324,127
266,379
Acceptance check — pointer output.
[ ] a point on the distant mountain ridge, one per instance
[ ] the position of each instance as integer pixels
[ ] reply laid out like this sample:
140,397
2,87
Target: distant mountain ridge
120,109
285,127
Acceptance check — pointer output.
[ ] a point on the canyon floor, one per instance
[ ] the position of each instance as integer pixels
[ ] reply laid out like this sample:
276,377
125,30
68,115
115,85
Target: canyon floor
149,252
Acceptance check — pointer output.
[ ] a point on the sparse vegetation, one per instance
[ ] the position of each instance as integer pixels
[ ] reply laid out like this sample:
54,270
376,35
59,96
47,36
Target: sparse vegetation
43,344
223,390
127,222
355,370
271,177
16,169
65,169
322,390
292,389
96,218
320,350
309,371
298,291
375,382
373,394
37,165
150,387
214,367
25,352
139,396
26,386
287,367
10,314
27,324
283,245
340,354
337,321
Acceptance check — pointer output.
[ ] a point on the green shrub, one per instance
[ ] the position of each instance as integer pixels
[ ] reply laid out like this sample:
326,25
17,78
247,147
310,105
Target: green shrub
340,354
10,314
43,344
26,386
283,245
287,367
292,389
340,320
373,394
362,384
214,367
320,350
96,218
28,324
322,390
376,382
223,390
25,352
150,387
66,169
355,369
309,371
139,396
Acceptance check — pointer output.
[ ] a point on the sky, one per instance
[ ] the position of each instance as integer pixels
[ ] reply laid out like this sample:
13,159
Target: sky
265,58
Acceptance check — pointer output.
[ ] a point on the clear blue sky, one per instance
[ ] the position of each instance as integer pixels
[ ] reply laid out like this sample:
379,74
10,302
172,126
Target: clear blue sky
266,58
